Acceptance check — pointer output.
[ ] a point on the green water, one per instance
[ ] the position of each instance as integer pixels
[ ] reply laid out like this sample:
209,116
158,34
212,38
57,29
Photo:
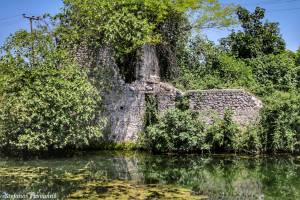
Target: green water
120,175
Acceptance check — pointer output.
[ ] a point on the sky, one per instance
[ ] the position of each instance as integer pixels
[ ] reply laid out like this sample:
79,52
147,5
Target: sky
286,12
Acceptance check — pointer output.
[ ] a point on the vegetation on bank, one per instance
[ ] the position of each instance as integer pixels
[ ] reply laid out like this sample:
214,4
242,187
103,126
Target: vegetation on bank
49,101
50,105
254,59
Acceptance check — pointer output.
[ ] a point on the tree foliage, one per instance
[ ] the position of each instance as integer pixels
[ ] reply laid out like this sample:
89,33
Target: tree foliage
126,25
281,122
46,105
48,109
253,59
205,66
257,37
175,131
274,72
24,49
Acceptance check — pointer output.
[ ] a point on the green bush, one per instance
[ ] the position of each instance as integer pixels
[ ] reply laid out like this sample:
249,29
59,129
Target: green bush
223,72
248,140
281,122
205,66
46,109
183,131
274,72
233,72
221,133
175,131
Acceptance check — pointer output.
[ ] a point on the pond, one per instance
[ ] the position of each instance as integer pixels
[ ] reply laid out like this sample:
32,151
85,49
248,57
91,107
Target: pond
131,175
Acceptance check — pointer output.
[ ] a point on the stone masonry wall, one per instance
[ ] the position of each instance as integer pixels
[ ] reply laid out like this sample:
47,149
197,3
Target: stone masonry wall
126,110
125,103
208,103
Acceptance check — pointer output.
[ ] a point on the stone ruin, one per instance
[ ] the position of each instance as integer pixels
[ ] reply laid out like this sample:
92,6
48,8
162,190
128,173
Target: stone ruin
126,103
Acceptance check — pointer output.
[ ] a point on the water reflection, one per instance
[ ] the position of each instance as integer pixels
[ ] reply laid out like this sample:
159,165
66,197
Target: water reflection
142,176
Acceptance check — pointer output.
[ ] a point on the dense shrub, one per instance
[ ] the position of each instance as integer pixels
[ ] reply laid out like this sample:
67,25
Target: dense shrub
221,71
184,131
175,131
248,139
221,133
233,72
274,72
281,122
48,109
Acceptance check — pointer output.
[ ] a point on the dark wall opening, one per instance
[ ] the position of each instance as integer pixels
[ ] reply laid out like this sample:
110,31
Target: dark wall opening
127,67
151,115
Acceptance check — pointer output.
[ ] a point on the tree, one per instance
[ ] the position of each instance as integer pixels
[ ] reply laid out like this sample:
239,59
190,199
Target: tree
257,38
274,72
205,66
125,25
48,105
20,48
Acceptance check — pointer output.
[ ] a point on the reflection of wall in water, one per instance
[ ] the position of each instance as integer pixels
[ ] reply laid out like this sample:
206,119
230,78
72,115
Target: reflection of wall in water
123,168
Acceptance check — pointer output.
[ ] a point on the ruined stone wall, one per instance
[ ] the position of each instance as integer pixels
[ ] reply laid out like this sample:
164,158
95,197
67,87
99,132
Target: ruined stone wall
208,103
147,66
125,103
126,107
126,110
